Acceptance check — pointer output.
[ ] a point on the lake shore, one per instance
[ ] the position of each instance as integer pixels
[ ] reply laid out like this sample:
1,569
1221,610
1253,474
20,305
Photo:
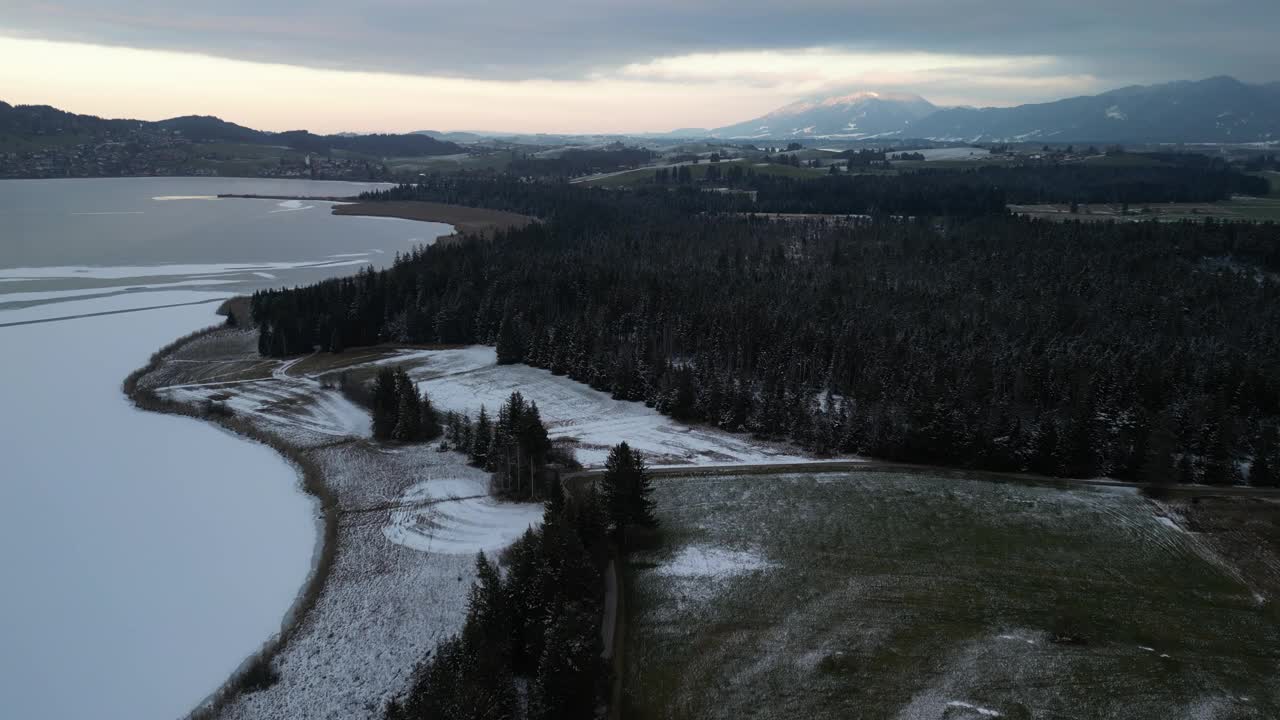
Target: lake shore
137,387
465,220
370,608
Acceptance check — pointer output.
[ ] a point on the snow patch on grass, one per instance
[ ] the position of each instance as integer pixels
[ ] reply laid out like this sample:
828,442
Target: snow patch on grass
707,561
297,408
984,712
458,517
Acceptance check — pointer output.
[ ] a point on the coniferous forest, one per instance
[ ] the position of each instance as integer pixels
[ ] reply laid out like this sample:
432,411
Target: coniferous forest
1137,350
531,644
956,193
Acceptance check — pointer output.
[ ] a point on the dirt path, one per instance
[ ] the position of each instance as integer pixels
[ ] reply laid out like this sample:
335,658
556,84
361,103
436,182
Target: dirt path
845,466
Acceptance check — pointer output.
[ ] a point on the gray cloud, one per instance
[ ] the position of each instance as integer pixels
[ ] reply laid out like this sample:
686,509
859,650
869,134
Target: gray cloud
1117,41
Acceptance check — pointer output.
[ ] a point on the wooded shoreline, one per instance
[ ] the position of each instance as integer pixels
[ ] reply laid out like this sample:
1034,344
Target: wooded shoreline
465,220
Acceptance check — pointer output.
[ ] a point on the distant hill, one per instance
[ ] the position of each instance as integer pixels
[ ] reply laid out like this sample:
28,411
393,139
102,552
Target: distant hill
455,137
854,116
29,122
1216,110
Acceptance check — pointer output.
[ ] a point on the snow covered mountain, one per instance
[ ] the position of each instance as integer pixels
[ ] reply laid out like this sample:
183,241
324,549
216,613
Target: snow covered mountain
855,116
1216,110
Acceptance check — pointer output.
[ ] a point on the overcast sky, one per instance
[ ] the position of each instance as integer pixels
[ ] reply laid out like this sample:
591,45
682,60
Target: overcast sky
599,65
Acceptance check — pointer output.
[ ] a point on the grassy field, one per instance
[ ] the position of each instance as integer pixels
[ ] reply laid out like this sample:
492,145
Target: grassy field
495,160
1272,177
1125,160
1241,208
878,595
644,176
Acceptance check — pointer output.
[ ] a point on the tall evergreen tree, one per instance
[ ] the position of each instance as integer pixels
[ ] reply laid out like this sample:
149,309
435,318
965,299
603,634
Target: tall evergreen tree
429,422
510,346
1263,471
386,404
1157,465
627,490
566,686
481,439
408,427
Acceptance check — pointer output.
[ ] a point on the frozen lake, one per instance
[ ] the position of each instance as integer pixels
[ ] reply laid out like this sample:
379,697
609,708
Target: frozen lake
144,556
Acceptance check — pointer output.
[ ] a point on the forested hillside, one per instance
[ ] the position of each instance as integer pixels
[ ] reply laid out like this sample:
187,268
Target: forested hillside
1139,350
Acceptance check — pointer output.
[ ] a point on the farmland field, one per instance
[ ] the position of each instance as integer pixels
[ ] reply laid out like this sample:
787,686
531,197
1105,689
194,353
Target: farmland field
922,597
1237,208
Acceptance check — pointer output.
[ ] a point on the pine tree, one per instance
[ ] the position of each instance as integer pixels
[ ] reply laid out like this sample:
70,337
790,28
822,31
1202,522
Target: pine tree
1219,466
386,404
1263,470
1261,474
481,439
1187,470
510,347
534,443
1082,442
429,422
488,627
627,489
1045,459
521,585
1157,466
408,413
565,687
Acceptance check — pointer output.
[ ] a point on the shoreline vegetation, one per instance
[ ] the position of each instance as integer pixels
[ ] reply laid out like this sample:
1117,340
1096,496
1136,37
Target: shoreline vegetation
256,668
484,222
187,359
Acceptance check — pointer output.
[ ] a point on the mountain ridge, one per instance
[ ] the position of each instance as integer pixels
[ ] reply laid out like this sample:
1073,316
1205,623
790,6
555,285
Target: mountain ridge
1218,109
46,120
857,115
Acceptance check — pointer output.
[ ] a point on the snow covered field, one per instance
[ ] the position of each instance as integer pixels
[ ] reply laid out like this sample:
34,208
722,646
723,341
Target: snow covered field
385,603
927,597
410,521
412,517
296,408
462,380
458,517
953,153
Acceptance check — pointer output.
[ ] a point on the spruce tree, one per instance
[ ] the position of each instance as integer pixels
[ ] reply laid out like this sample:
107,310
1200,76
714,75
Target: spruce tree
1081,441
565,687
1045,457
524,567
429,422
408,413
386,404
1263,471
481,439
627,489
488,627
1158,466
510,348
1219,466
1261,474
